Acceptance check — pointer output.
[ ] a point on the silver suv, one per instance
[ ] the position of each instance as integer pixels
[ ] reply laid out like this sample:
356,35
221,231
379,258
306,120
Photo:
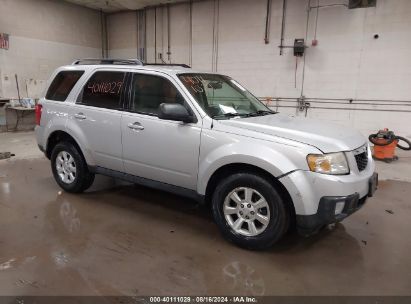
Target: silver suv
202,135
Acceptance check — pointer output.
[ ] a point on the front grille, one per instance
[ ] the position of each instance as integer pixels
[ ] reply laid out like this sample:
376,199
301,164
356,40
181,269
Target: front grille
362,160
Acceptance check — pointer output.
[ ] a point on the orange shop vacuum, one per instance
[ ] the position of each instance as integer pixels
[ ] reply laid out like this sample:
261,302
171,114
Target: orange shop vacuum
385,142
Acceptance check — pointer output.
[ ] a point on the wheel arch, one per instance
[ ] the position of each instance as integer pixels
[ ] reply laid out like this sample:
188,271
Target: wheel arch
233,168
59,136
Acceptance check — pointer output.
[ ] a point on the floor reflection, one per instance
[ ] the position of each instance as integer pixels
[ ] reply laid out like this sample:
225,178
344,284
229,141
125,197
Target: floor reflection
68,215
243,278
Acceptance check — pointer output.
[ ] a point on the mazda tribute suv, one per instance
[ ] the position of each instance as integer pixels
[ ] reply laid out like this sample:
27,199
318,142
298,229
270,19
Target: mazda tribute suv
205,136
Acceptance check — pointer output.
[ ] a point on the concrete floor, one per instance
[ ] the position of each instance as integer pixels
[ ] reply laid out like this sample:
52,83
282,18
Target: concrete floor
121,239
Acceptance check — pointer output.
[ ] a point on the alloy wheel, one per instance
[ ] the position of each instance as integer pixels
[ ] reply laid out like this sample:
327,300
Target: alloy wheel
66,167
246,211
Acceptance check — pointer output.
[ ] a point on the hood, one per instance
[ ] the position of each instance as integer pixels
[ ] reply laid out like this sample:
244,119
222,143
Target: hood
325,136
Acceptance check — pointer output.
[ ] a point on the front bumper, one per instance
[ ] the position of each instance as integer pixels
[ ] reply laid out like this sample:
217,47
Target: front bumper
326,213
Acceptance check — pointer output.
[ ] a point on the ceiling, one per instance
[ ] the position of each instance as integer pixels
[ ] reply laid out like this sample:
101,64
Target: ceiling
110,6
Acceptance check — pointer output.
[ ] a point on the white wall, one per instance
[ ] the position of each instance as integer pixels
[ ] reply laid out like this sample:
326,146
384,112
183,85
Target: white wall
122,35
347,63
44,35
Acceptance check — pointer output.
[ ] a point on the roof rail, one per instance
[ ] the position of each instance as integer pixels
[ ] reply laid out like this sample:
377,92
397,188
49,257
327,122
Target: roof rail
170,64
107,61
124,61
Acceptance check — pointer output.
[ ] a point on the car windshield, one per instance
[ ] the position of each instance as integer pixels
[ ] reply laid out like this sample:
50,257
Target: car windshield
222,97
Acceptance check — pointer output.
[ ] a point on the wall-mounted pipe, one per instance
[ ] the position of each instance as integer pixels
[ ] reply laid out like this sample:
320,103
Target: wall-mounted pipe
155,34
162,35
217,34
145,35
348,109
168,34
268,22
216,21
321,103
283,27
305,53
348,100
138,29
141,35
190,38
104,35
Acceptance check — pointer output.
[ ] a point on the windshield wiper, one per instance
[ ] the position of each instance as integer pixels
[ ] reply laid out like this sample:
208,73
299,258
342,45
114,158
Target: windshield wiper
228,115
252,114
261,113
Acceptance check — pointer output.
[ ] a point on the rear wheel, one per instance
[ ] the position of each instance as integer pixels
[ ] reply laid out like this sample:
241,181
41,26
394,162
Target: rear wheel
70,169
249,211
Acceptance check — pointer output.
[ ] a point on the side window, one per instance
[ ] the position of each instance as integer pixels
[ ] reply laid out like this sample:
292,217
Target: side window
62,84
103,90
149,91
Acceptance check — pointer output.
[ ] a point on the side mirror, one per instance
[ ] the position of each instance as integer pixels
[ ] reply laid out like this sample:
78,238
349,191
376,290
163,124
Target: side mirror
174,111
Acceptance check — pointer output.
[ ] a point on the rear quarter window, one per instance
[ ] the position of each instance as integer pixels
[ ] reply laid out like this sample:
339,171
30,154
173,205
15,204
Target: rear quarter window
103,90
62,85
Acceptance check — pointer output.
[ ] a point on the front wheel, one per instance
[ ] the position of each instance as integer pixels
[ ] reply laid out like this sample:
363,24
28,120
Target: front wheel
249,211
70,169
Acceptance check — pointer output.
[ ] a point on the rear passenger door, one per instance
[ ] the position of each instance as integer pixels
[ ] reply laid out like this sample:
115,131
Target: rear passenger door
96,117
156,149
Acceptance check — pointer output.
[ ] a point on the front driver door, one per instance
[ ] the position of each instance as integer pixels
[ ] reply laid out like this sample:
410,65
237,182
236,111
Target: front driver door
160,150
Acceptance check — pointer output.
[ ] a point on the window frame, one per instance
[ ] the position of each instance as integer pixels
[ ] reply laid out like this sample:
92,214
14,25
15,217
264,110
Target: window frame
129,98
72,88
123,92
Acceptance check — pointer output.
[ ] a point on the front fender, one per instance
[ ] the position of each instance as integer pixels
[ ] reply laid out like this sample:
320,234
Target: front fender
274,157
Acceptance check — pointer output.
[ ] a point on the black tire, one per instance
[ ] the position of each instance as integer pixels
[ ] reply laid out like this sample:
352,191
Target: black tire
83,179
279,215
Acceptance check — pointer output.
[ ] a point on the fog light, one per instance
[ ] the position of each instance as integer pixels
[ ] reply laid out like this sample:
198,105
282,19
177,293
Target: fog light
339,208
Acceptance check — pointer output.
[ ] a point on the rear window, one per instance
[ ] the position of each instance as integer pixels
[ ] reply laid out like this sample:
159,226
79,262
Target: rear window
103,90
62,84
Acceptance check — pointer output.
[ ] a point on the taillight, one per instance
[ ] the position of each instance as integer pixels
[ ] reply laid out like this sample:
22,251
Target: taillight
38,110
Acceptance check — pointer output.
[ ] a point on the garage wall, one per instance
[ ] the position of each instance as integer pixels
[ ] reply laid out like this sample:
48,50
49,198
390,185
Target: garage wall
122,35
43,36
349,77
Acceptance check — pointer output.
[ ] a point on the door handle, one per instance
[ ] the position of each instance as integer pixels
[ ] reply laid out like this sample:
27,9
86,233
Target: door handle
80,116
135,126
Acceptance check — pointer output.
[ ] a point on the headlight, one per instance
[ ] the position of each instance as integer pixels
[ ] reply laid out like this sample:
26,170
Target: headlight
331,163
